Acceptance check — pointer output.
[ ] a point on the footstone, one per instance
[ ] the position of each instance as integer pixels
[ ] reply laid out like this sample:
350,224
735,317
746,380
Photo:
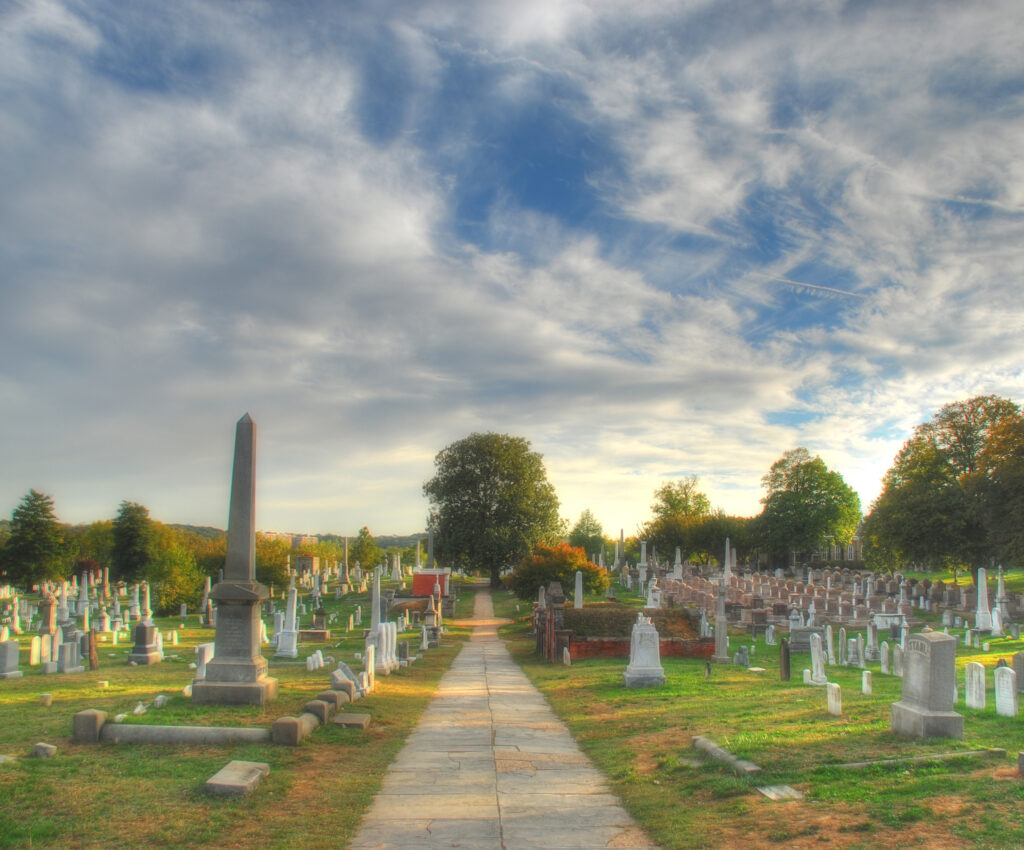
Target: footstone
237,778
352,721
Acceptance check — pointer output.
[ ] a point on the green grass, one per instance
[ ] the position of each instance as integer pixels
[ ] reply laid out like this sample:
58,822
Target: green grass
99,796
641,739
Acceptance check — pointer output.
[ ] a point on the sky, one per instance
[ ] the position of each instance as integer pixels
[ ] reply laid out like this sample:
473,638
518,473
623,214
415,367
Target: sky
654,239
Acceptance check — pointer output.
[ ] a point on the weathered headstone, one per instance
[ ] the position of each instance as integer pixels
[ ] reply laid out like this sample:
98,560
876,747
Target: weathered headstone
883,653
865,683
974,685
834,696
644,668
1018,668
817,661
9,660
237,673
784,660
926,707
1006,692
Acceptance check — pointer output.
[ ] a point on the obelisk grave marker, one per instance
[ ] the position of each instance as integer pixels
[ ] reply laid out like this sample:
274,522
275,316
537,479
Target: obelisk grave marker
237,673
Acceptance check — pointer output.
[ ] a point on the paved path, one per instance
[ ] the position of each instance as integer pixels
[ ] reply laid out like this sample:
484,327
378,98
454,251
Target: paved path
490,766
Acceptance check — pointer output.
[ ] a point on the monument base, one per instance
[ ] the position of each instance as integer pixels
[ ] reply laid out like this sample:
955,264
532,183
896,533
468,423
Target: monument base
258,692
916,722
649,677
721,659
147,656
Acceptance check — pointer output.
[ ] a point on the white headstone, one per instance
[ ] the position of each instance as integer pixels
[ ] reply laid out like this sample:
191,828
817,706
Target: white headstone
1006,691
835,698
974,685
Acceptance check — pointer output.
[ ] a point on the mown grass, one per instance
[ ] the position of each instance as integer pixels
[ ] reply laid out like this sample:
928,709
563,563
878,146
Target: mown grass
101,796
642,740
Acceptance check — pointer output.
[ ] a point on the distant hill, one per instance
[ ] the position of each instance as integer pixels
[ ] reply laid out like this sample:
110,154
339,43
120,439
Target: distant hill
201,530
386,541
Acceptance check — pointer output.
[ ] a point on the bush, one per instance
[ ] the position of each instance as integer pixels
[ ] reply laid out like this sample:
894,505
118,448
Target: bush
556,563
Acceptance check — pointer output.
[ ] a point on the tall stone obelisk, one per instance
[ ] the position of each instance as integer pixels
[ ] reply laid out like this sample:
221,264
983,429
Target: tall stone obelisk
237,673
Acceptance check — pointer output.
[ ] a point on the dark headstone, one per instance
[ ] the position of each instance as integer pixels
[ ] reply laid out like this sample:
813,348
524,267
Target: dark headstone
784,672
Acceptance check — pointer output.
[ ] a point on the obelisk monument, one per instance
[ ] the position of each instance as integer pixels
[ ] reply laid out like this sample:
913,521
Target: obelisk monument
237,673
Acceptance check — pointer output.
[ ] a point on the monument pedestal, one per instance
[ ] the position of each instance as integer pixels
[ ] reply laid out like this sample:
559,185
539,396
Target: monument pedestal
918,722
237,673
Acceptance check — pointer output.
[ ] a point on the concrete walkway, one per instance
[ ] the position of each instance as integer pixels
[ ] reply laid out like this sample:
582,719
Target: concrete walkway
490,766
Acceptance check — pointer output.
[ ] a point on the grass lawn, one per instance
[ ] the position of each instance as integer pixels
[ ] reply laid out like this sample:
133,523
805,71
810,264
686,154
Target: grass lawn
641,739
103,796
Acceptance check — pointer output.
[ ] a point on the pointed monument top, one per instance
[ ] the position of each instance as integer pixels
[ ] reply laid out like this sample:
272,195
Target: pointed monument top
246,418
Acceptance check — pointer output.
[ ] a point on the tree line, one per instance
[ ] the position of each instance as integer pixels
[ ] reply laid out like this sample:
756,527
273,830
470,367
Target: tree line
36,547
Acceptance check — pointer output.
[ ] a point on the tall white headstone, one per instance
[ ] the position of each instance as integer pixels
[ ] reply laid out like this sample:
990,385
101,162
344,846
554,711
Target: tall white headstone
982,614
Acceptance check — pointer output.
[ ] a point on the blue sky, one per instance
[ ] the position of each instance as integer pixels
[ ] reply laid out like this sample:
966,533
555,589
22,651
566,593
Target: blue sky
654,239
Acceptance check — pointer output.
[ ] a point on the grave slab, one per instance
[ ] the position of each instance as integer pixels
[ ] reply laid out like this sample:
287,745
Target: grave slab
237,778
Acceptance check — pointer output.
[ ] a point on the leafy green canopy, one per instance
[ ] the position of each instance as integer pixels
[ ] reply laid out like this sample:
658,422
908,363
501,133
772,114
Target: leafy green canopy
806,504
953,494
491,502
36,549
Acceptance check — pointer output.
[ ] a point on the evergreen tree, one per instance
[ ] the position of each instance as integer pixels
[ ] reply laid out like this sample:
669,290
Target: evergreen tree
36,549
133,542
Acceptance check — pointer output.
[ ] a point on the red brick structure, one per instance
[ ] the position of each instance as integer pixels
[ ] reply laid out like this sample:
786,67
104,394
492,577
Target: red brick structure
553,638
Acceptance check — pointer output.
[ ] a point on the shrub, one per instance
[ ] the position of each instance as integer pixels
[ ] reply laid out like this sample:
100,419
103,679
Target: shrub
556,563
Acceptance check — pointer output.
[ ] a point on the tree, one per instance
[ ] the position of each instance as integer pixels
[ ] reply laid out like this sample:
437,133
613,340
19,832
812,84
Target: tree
491,502
806,504
680,498
948,498
36,549
556,563
271,561
171,570
94,541
587,534
680,512
365,550
133,542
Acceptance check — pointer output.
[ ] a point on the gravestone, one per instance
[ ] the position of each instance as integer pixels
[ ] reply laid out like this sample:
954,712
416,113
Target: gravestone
883,651
577,598
926,707
865,683
784,660
741,658
834,696
237,673
146,649
644,668
1018,668
9,660
817,661
974,685
897,660
1006,692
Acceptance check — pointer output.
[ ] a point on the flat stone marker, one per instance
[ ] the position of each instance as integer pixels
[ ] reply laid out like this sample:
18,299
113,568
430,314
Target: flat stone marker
781,792
351,721
237,777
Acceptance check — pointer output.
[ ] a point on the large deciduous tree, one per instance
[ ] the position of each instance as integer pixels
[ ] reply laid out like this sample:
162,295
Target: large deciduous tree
35,549
134,538
491,502
806,504
953,493
365,550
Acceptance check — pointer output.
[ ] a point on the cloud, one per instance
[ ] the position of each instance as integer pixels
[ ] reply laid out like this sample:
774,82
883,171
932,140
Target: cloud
655,241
